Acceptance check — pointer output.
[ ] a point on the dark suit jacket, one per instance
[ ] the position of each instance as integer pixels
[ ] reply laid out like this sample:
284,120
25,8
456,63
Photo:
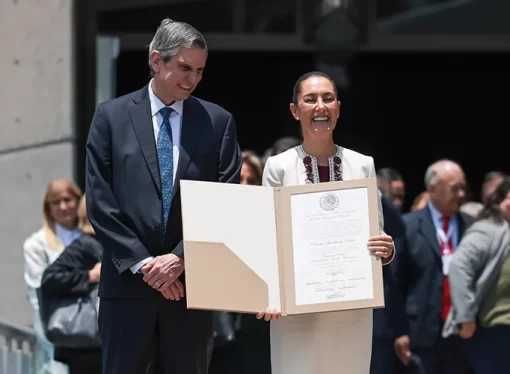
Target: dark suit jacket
420,276
389,322
123,184
69,276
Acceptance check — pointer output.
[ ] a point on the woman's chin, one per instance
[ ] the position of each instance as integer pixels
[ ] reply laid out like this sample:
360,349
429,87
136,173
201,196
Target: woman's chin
321,127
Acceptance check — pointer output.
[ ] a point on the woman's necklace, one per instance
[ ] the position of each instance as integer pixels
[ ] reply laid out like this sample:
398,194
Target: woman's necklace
312,167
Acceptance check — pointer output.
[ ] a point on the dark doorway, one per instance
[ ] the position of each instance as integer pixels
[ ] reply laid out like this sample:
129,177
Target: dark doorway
415,109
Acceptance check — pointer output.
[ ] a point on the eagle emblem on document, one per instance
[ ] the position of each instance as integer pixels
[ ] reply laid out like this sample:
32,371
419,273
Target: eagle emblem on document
329,201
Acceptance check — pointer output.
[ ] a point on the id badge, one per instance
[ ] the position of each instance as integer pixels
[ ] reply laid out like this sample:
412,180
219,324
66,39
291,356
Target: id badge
447,259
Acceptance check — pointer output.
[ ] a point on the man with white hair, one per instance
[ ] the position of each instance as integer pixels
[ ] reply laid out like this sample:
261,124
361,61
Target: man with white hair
432,234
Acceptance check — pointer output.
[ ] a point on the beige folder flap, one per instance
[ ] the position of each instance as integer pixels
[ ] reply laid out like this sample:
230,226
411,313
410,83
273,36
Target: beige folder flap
225,282
236,274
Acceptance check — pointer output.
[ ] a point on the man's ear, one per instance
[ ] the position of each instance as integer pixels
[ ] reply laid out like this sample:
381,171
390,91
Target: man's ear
155,61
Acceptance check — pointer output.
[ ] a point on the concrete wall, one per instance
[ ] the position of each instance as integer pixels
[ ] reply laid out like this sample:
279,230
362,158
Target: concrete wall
36,129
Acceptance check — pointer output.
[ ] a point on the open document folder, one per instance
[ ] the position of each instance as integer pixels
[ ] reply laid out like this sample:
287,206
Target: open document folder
298,249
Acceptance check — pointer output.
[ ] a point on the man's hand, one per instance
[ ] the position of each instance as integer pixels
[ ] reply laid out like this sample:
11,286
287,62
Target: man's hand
173,292
402,349
467,330
162,274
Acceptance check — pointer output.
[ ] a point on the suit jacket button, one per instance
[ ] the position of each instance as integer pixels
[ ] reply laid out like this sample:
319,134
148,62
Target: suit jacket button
158,226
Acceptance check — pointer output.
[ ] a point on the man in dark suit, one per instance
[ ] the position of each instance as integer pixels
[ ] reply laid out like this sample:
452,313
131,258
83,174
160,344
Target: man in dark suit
389,322
139,147
432,234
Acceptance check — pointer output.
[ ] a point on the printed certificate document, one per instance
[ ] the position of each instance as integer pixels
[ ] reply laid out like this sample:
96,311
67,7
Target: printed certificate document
298,249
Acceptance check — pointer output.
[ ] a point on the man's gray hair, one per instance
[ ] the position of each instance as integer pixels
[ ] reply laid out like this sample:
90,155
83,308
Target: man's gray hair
171,36
432,175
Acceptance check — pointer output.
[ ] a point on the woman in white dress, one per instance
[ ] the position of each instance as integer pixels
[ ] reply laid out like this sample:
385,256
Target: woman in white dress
315,343
59,229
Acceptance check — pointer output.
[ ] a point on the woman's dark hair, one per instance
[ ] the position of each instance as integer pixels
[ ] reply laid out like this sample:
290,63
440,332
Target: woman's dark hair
251,159
390,174
304,77
491,208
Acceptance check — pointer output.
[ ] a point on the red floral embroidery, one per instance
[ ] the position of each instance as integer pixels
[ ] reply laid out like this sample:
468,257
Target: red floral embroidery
337,173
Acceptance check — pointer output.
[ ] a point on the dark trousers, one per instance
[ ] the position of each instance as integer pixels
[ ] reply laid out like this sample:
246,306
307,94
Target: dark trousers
448,356
488,350
80,360
383,357
84,368
250,353
154,335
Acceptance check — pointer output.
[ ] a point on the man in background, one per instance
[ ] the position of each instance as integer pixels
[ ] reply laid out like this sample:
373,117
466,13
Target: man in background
392,185
432,235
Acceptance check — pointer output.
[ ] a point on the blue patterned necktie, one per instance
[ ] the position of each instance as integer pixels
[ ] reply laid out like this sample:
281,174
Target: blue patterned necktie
166,162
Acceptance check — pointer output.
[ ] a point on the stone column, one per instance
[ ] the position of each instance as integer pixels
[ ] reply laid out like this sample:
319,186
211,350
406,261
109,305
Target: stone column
36,129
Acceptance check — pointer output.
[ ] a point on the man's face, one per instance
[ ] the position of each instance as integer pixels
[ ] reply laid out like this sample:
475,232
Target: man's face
397,194
449,192
179,77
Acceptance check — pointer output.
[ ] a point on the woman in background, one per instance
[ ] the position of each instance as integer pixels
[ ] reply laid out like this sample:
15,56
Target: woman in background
75,272
59,229
479,277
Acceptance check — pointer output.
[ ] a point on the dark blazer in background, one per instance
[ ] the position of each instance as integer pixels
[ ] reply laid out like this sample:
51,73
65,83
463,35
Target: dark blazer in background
420,275
389,322
69,276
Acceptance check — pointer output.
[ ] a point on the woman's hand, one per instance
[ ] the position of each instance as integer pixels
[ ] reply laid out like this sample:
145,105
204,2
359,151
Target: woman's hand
95,274
382,246
269,315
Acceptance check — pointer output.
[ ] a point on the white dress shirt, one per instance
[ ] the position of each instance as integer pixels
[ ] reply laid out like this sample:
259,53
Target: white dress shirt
176,126
453,225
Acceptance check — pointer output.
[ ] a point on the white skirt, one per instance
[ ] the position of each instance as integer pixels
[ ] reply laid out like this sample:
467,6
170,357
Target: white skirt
323,343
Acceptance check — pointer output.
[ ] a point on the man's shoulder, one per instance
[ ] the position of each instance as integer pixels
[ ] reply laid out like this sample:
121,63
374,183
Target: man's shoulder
413,218
121,102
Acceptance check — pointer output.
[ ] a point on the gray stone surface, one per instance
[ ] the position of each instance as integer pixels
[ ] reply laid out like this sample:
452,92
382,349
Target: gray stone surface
36,128
25,176
36,70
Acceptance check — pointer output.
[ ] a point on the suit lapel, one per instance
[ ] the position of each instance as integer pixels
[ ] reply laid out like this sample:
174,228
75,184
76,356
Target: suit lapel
190,137
428,230
141,119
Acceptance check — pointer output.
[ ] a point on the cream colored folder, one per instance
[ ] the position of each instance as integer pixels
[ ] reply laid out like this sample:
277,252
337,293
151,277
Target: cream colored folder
238,247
